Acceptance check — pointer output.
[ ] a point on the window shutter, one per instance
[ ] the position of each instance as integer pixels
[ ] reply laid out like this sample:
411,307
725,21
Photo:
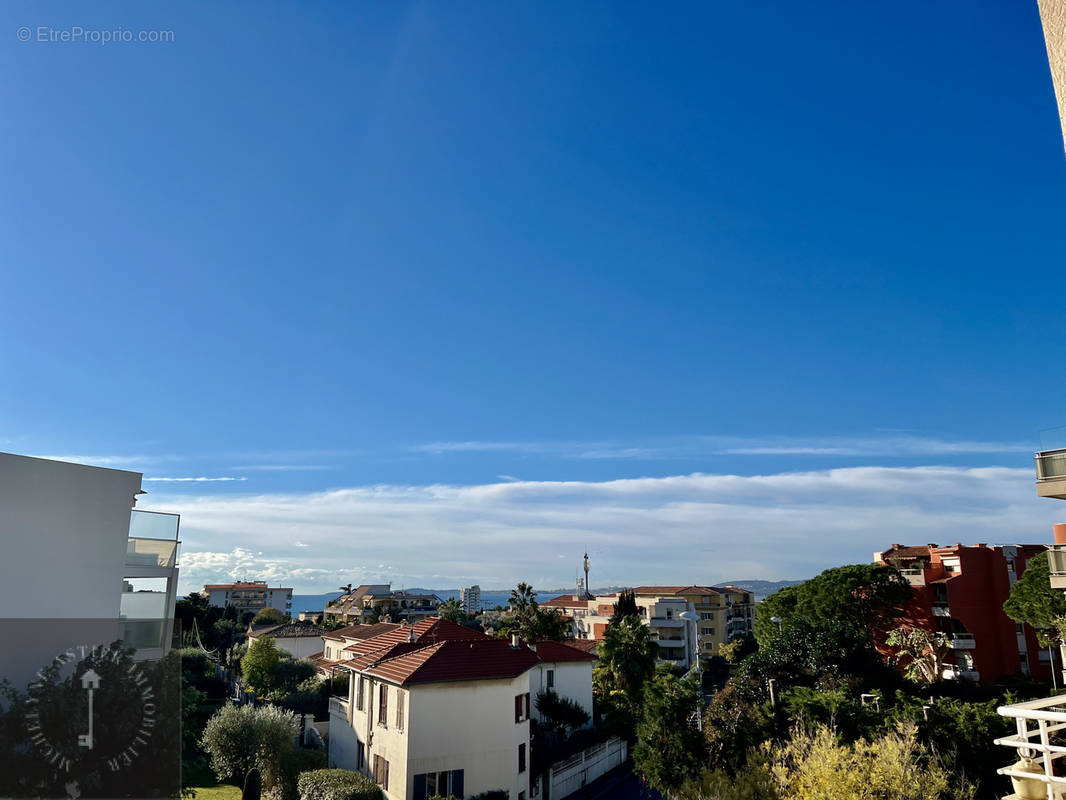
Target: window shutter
526,701
385,785
517,708
419,791
457,783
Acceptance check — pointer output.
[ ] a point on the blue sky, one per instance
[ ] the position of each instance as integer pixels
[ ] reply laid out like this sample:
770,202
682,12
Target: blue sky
325,249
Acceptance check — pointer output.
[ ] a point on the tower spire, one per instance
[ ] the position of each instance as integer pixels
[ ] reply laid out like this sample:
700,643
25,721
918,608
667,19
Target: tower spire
588,592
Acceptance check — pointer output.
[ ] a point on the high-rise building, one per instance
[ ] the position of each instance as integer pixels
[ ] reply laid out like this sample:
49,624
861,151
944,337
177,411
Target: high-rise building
470,599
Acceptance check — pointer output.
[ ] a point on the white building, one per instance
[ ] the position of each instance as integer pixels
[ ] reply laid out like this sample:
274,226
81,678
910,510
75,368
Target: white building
470,599
249,596
80,565
298,639
725,613
435,708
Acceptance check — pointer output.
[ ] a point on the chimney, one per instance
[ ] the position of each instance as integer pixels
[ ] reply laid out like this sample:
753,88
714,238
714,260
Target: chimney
515,641
411,635
1060,533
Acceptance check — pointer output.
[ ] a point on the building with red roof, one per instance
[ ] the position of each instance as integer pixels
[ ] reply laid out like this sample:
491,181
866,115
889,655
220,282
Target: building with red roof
958,591
436,708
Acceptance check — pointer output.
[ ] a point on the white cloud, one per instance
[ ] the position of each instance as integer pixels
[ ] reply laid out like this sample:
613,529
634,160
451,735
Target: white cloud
683,528
896,444
193,480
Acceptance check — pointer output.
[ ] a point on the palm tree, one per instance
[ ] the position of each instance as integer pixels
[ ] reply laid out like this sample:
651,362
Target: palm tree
347,588
522,598
627,657
451,610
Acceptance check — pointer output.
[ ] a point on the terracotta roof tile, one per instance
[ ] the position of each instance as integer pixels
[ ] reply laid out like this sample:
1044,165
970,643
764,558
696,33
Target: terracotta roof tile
563,651
456,660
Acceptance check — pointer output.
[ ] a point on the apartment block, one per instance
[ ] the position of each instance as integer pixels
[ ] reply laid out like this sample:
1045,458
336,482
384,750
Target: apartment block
88,568
371,600
249,596
470,599
725,613
959,591
438,709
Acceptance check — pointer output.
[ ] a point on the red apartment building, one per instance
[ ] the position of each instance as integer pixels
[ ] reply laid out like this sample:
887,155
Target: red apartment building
959,591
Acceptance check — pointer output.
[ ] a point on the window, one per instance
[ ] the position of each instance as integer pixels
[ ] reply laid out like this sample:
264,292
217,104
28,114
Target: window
438,784
521,707
707,615
399,709
381,772
522,757
551,679
360,756
383,705
359,694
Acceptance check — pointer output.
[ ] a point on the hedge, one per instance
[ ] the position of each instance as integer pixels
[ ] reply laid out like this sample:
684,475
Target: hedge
337,784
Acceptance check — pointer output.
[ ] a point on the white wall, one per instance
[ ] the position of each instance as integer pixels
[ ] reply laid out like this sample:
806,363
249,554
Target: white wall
469,725
573,680
298,646
64,529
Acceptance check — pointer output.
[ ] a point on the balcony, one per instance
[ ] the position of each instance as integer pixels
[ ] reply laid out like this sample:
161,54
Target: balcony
1051,464
1056,557
915,575
161,553
941,609
154,525
1036,721
961,641
666,622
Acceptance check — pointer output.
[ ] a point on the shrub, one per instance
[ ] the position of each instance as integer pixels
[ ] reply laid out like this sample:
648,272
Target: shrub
337,784
293,764
239,739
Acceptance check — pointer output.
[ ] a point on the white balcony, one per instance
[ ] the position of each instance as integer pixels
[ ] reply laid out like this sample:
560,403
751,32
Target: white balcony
1035,721
941,610
961,641
666,622
1051,473
671,642
1056,558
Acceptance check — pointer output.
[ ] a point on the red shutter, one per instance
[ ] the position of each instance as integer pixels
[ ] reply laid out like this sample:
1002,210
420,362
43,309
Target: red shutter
517,708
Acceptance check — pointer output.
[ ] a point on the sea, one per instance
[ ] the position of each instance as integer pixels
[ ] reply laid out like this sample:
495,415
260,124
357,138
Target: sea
489,598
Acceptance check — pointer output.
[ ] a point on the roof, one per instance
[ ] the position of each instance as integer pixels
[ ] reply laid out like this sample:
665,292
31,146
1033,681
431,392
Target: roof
588,645
567,601
426,631
358,631
454,660
245,585
904,551
287,630
556,652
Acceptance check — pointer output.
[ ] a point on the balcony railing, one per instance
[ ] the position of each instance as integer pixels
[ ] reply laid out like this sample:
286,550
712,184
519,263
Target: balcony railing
1050,464
961,641
941,610
151,552
1035,721
143,634
153,525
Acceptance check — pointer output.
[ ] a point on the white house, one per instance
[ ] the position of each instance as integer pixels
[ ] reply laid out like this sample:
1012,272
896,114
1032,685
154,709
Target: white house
83,567
435,708
298,639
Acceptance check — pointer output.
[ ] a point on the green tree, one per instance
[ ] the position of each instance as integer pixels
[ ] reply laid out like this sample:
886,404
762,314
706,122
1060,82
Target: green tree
452,610
259,664
733,724
867,596
561,714
1033,601
669,750
269,616
625,606
627,659
522,598
923,655
241,740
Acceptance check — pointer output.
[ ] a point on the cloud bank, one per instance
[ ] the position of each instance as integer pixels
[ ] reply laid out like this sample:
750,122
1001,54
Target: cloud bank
677,529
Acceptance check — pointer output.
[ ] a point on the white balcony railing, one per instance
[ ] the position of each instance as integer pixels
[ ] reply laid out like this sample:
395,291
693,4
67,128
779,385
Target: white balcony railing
1051,464
1035,721
961,641
941,610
